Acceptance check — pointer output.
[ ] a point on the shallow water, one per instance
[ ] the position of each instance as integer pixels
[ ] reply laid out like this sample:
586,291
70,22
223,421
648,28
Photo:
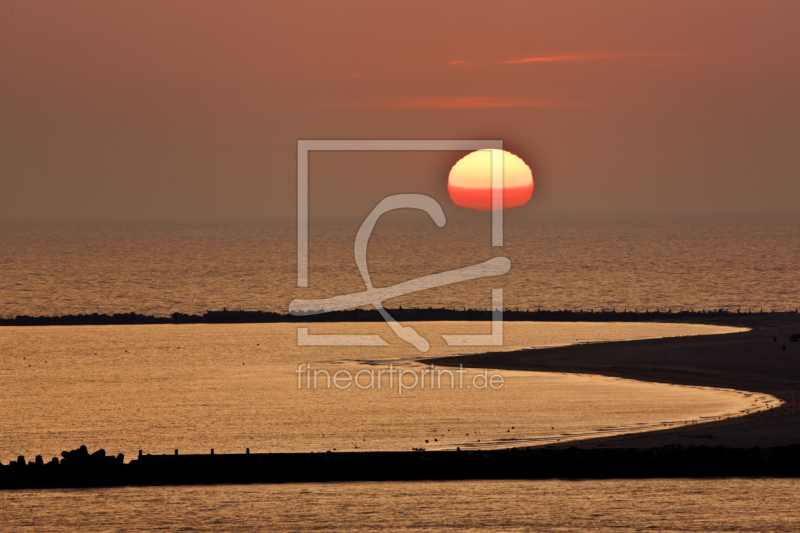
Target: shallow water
670,505
229,387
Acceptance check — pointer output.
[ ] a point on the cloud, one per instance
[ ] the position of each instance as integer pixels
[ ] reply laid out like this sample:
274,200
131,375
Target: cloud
580,56
466,102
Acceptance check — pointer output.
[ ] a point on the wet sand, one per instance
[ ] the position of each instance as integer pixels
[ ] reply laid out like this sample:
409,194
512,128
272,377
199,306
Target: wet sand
750,361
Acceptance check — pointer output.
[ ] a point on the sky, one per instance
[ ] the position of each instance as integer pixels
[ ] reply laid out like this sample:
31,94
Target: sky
194,108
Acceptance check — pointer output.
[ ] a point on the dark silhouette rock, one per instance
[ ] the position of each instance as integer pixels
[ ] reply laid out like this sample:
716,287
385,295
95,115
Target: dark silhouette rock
79,469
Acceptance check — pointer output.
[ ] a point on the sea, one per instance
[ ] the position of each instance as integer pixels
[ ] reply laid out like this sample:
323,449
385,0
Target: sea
161,388
635,262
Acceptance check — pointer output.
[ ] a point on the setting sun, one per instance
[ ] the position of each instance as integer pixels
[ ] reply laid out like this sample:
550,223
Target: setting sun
470,180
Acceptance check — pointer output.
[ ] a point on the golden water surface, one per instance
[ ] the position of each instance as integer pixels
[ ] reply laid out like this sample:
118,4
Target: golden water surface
159,388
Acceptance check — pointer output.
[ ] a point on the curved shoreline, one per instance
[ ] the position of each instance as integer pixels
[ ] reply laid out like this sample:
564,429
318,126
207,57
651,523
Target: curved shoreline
757,401
761,402
754,360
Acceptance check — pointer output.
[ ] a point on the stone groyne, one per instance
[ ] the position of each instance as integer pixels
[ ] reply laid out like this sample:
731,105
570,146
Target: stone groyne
79,468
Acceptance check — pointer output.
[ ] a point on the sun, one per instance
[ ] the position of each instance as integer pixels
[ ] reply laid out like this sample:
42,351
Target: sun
470,180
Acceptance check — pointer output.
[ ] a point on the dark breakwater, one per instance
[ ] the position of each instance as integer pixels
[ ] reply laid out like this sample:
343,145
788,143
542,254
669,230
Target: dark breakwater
401,314
78,468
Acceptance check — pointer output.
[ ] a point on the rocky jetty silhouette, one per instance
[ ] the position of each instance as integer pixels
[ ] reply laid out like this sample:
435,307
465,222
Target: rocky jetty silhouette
79,468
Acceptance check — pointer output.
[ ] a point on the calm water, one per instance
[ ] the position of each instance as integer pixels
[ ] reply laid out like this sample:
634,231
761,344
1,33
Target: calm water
159,388
669,505
160,267
231,387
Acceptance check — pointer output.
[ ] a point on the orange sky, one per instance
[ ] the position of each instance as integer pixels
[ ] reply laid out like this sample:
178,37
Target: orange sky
194,107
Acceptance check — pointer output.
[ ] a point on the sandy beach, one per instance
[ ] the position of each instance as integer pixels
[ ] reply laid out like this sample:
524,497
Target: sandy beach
754,361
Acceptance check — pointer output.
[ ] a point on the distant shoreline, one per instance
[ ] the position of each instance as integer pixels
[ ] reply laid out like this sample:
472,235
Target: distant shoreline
710,317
